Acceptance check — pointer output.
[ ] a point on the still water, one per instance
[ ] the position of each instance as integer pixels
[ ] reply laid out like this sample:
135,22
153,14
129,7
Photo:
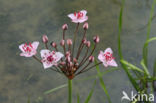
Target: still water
26,20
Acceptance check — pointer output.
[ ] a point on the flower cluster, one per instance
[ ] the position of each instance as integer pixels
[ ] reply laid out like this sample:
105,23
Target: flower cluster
69,62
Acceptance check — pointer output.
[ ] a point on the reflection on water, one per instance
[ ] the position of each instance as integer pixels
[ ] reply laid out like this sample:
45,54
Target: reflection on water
27,20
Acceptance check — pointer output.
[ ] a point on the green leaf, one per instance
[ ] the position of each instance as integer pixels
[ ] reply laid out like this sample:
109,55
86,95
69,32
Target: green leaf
102,82
54,89
78,98
91,93
154,69
133,67
145,68
145,49
134,83
28,101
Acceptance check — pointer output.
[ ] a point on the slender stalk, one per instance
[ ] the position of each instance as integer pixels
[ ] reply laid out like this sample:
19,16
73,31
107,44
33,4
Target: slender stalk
83,68
79,49
64,47
75,34
84,57
46,45
92,67
36,58
88,56
69,91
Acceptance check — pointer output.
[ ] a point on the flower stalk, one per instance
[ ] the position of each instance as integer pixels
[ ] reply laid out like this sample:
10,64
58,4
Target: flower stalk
69,91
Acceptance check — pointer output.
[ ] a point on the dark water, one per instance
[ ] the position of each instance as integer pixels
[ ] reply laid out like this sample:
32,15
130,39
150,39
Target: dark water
26,20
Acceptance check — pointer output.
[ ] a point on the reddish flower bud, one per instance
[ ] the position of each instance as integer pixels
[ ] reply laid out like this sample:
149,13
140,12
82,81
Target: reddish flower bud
69,42
85,26
91,59
62,63
96,39
62,43
44,38
64,27
67,53
84,41
75,60
53,44
88,43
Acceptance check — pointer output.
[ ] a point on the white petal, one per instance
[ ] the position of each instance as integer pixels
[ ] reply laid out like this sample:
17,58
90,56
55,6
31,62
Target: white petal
100,56
44,52
108,50
71,16
26,54
35,44
84,12
105,64
21,47
46,65
83,19
112,63
59,55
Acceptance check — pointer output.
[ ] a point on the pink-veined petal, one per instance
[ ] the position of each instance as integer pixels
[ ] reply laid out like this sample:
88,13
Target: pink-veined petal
44,52
83,19
59,55
47,65
84,12
26,54
108,50
35,44
100,56
21,47
71,16
112,63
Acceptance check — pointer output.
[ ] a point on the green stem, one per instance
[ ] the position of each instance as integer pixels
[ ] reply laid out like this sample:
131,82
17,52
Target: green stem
69,91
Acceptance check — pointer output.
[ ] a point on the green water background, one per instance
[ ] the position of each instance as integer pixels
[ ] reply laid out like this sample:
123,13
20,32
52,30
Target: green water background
27,20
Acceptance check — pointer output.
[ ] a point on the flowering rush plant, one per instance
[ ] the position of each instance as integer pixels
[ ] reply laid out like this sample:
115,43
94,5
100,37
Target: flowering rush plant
68,62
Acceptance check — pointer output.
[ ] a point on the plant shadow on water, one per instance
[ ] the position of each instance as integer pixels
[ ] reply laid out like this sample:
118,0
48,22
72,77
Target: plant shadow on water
21,20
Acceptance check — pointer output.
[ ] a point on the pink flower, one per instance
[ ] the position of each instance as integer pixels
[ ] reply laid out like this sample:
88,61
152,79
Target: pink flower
107,58
78,17
50,58
28,50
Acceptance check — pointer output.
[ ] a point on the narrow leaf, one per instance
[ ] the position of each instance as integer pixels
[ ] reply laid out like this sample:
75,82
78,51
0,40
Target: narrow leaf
91,93
145,49
54,89
145,68
102,82
78,98
154,69
133,67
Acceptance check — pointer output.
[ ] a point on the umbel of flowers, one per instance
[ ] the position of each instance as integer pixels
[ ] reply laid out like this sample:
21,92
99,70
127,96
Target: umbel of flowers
69,62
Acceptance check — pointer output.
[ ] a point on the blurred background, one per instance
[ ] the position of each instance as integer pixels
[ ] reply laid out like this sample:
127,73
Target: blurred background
27,20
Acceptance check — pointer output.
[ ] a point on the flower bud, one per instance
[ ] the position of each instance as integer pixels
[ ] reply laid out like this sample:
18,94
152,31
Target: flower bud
91,59
75,60
44,38
67,53
62,63
96,39
85,26
64,27
88,43
84,41
69,42
62,43
53,44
